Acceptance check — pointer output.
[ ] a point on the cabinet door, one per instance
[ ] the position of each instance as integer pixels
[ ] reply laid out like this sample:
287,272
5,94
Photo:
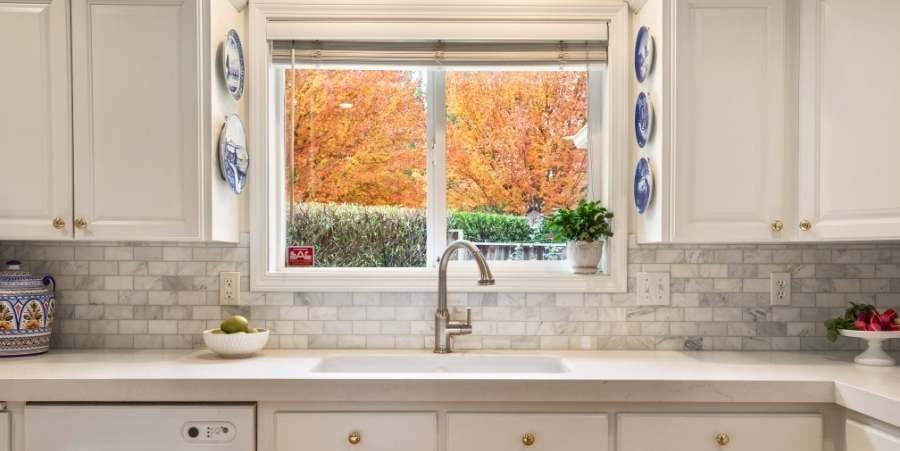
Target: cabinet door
849,119
137,81
35,125
717,432
5,432
517,432
861,437
352,431
730,159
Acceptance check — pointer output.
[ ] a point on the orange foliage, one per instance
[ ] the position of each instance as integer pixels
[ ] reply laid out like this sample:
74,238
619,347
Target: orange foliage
372,153
506,150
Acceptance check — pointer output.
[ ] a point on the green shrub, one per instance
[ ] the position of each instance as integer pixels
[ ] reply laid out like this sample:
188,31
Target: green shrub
346,235
491,227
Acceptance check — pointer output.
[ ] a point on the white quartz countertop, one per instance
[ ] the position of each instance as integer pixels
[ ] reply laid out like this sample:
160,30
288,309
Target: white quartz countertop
606,376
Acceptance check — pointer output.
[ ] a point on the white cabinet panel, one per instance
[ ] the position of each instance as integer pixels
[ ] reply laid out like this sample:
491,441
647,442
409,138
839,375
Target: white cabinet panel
514,431
698,432
861,437
730,158
137,84
5,432
848,119
35,125
373,431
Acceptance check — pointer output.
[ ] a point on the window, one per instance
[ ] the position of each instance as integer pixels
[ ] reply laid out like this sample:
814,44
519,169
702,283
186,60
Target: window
383,151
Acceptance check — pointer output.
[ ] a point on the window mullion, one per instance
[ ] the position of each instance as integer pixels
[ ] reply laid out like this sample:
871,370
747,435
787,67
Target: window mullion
437,166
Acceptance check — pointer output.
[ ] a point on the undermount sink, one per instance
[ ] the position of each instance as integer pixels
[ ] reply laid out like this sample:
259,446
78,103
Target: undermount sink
455,363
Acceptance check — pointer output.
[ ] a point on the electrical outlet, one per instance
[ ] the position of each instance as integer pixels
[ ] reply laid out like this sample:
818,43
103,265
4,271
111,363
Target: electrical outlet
230,288
653,288
780,289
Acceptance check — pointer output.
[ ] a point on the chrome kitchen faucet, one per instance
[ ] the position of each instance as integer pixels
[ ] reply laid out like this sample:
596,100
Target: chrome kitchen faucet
444,328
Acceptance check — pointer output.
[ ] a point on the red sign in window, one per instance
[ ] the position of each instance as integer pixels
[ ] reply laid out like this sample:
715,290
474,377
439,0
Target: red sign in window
301,256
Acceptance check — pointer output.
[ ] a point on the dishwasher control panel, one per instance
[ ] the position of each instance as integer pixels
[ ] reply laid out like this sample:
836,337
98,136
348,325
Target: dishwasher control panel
208,432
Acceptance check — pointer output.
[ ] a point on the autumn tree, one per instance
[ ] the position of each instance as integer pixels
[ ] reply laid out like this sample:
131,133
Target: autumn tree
359,137
506,140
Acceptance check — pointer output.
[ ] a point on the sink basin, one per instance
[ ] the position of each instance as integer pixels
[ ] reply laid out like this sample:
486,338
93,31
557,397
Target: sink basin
456,363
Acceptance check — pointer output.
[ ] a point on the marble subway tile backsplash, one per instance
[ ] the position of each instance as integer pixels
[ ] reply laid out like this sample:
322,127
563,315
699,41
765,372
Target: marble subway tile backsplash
163,295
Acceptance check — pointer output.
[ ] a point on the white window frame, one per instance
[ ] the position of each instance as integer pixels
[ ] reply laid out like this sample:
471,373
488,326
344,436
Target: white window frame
267,222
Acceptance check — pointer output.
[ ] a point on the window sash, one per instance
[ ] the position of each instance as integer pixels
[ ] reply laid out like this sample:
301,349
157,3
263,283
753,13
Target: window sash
436,176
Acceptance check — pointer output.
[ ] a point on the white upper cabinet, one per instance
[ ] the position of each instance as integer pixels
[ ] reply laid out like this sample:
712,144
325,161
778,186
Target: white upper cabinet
730,156
110,125
849,122
35,125
137,115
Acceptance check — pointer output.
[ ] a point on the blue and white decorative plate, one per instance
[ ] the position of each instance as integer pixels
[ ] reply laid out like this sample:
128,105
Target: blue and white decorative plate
233,64
233,157
643,54
643,119
643,185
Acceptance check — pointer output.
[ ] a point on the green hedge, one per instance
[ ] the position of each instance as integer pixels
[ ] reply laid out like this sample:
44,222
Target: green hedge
356,236
347,235
491,227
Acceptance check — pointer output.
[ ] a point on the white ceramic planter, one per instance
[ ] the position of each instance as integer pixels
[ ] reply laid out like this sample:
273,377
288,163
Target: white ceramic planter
874,354
584,256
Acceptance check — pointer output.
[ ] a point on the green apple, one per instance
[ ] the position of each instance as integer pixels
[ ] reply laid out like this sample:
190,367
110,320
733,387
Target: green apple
235,324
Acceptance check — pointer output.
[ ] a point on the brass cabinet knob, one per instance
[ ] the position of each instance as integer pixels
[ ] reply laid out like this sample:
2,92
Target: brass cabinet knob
805,225
59,223
777,225
722,439
81,223
354,438
528,439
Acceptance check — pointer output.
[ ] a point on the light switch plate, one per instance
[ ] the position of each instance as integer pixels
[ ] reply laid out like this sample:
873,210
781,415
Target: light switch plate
653,288
780,288
230,288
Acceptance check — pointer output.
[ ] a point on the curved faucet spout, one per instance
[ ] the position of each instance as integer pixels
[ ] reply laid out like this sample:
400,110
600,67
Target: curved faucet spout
443,327
487,278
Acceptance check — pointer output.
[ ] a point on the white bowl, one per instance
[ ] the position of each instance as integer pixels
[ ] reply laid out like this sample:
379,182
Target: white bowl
874,354
235,345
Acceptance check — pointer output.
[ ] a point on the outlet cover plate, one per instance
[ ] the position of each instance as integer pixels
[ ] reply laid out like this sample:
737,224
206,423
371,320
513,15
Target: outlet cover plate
653,288
229,288
780,288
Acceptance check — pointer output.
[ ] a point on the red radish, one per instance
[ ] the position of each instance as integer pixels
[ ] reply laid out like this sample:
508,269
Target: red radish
859,325
874,327
895,327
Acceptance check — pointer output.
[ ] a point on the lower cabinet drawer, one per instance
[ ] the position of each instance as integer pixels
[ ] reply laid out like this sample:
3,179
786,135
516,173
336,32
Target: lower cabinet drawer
527,431
363,431
717,432
862,437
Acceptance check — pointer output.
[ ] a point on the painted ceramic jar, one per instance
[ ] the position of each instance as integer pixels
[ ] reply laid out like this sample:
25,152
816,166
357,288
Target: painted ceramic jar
26,311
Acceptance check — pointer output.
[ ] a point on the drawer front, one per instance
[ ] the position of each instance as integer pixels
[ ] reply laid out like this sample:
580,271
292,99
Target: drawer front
364,431
527,432
701,432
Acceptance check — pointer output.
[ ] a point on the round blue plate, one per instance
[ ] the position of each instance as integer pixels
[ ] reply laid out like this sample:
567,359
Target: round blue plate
643,54
233,157
233,64
643,185
643,119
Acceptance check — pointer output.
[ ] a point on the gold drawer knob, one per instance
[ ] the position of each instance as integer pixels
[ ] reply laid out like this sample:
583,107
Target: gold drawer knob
528,439
777,225
59,223
722,439
805,225
354,438
81,223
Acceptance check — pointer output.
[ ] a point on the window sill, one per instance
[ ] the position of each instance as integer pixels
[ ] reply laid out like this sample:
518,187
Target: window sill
549,278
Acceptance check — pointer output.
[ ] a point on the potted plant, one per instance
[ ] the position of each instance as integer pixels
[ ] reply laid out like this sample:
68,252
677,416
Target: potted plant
583,229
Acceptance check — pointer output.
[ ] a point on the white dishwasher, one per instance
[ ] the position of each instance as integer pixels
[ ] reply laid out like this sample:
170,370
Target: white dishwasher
140,427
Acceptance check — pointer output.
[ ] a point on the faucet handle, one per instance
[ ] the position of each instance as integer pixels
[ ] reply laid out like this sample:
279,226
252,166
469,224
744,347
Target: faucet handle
468,316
